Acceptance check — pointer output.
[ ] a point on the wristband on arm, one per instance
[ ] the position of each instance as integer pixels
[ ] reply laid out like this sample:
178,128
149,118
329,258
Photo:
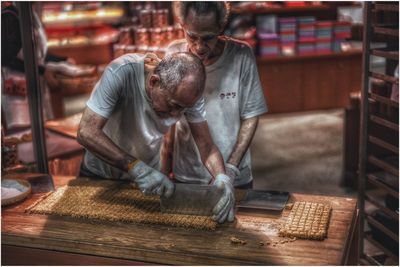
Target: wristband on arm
132,164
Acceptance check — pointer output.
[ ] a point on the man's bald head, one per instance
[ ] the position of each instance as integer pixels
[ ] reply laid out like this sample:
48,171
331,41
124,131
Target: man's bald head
177,83
177,67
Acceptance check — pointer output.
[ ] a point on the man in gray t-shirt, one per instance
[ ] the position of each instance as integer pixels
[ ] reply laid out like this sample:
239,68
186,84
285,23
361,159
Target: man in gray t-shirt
233,96
131,108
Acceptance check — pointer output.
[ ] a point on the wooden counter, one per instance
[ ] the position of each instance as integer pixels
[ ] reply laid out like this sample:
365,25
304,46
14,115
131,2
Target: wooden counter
310,82
47,240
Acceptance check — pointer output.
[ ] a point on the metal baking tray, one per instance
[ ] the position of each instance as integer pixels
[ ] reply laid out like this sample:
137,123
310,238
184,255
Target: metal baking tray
264,200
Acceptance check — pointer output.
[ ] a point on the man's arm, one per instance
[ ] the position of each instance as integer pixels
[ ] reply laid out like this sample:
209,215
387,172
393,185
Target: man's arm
167,151
92,137
212,159
209,153
246,133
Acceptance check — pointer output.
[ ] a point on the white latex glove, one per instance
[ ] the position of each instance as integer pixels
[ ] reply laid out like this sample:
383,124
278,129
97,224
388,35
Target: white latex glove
225,206
151,181
232,171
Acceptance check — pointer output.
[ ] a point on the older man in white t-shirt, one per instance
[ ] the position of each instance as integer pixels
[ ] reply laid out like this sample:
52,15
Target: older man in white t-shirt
131,108
233,98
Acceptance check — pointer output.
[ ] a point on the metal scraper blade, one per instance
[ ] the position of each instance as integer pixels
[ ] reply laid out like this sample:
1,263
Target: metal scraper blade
191,199
264,200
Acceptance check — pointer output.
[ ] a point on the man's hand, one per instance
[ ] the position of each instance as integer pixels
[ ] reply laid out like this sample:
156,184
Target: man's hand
151,181
232,172
225,206
70,60
51,79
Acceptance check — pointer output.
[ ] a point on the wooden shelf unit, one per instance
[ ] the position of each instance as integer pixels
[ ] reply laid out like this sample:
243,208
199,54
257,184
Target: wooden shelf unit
385,100
377,244
379,142
383,164
384,122
393,55
384,77
377,180
389,31
387,211
375,259
310,79
281,10
378,161
284,10
382,228
387,7
321,55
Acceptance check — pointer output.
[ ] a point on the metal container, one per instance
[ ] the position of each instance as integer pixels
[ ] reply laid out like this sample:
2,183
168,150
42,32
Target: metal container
160,18
157,37
146,18
142,36
126,36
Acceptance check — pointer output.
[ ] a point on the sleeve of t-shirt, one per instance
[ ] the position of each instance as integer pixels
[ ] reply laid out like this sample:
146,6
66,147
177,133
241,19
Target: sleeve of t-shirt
252,97
197,113
105,94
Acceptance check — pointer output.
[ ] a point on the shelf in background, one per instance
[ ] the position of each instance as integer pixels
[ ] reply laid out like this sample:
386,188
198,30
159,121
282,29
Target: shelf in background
394,32
16,169
384,122
280,10
393,55
379,128
363,261
385,165
354,52
376,141
386,7
370,238
382,228
385,100
378,179
371,260
84,18
383,77
379,205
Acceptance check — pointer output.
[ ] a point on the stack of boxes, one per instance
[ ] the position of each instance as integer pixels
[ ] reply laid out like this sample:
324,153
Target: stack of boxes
323,34
267,35
269,44
342,30
306,33
288,36
300,35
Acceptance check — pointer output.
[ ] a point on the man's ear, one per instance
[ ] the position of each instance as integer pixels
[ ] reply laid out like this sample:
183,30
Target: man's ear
154,80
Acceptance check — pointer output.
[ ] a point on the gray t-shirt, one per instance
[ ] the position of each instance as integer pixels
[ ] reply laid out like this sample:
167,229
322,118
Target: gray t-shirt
233,92
132,124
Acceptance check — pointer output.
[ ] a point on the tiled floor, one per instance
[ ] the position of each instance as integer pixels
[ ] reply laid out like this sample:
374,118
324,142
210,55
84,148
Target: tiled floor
300,152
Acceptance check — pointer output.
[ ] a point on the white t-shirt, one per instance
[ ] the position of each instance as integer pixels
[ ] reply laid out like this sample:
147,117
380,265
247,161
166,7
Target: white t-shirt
132,124
233,92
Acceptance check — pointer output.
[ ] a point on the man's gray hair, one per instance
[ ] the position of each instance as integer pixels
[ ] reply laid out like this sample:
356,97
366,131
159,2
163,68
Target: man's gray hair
220,9
176,66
